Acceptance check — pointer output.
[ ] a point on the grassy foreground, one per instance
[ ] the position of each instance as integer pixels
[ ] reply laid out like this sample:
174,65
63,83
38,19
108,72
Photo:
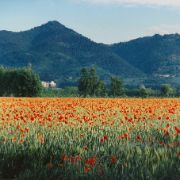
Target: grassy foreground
74,138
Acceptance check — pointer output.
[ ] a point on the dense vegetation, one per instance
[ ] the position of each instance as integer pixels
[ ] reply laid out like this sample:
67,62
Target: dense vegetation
25,83
58,53
19,82
90,85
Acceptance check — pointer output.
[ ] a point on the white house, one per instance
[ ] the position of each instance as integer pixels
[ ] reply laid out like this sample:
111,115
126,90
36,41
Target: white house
48,84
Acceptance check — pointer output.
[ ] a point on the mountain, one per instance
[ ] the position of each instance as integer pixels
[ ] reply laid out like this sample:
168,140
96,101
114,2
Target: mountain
58,53
157,56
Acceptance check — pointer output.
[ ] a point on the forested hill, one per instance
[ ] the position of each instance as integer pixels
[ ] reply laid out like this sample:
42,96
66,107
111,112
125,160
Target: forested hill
58,53
157,55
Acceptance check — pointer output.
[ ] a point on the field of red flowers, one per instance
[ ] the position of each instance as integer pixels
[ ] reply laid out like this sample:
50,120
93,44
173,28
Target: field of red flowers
74,138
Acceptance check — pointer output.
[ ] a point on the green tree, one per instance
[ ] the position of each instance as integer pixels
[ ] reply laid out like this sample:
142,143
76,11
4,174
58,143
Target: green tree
20,82
145,92
166,90
83,86
101,89
88,83
116,88
178,92
93,82
1,81
6,83
26,83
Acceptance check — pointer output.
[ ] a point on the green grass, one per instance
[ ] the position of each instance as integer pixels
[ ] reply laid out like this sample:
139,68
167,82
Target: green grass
135,159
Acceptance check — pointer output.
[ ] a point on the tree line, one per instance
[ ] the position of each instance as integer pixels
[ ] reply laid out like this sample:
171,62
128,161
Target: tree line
23,82
90,85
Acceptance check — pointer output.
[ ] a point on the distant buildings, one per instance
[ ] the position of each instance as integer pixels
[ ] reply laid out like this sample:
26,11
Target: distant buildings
48,84
166,75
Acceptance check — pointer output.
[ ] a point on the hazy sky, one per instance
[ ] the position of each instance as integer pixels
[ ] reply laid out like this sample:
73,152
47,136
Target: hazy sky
105,21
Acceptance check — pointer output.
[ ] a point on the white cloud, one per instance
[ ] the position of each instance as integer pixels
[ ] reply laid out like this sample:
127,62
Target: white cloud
171,3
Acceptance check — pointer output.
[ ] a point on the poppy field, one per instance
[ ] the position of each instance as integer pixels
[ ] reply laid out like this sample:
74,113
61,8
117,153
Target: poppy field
76,138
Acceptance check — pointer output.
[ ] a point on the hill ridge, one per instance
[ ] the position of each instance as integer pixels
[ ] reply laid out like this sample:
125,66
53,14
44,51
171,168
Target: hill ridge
58,53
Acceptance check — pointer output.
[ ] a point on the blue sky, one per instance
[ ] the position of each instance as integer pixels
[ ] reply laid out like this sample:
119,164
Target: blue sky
106,21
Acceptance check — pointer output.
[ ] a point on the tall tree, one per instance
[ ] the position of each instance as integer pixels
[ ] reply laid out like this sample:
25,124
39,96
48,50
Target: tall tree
101,89
93,82
89,83
116,88
83,86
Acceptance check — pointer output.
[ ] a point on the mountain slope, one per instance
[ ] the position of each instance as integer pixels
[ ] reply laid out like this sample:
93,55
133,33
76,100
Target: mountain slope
157,55
58,53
